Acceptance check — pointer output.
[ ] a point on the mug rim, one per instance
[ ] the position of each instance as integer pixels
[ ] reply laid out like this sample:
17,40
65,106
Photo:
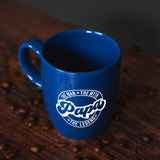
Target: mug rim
107,67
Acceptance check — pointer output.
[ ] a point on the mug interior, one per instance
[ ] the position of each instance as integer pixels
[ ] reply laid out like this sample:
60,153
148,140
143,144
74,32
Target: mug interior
80,50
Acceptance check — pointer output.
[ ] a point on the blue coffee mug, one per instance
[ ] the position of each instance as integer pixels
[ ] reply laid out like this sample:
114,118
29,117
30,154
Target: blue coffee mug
79,79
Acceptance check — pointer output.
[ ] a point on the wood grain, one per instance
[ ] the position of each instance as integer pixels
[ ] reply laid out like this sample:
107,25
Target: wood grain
137,117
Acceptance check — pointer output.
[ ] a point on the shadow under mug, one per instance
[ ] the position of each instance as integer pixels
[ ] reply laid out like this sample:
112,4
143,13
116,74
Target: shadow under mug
79,79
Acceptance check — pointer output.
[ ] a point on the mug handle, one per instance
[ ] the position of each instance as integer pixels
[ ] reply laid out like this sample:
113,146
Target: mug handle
25,61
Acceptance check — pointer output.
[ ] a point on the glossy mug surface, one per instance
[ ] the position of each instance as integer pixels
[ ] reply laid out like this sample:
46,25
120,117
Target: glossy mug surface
79,78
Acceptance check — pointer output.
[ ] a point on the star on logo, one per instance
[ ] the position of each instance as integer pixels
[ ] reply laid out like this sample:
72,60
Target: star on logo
70,106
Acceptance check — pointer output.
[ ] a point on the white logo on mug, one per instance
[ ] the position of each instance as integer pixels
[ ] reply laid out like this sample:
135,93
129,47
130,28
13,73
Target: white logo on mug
88,107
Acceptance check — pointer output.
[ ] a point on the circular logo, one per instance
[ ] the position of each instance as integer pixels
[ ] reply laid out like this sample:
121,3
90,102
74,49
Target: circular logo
80,108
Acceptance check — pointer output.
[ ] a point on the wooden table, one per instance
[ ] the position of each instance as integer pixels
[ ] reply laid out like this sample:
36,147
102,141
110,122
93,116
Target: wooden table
25,129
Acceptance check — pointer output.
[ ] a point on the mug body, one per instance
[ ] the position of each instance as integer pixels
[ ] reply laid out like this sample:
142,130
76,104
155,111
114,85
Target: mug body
80,100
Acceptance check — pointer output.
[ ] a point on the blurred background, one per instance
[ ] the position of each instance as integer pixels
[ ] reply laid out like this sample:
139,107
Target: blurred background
131,23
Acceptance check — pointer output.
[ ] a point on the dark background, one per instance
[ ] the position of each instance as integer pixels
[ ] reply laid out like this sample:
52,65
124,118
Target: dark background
131,23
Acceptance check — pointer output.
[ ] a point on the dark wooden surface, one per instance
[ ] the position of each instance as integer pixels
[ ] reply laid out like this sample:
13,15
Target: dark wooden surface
134,133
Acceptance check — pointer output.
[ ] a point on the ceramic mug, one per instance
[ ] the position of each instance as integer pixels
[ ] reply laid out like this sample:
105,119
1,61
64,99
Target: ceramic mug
79,79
